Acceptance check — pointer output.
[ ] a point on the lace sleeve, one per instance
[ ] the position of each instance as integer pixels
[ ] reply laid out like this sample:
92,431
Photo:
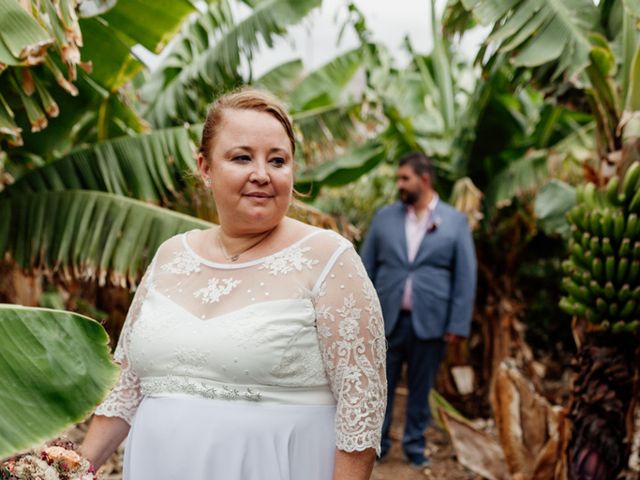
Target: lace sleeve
124,398
353,346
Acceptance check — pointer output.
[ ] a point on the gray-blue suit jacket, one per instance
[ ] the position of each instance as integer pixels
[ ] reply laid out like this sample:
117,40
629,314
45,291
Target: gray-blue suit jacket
443,272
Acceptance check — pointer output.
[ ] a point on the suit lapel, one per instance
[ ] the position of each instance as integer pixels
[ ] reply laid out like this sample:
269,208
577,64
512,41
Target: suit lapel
402,233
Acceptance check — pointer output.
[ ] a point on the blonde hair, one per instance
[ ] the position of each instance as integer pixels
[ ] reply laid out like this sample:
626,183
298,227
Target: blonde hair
245,98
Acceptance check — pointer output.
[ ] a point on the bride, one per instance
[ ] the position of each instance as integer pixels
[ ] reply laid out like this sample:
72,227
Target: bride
255,349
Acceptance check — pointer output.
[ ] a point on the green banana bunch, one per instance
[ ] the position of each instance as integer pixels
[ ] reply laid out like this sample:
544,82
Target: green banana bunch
630,194
602,272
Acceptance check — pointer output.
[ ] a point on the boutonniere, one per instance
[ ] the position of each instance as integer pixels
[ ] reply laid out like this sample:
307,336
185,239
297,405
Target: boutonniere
433,224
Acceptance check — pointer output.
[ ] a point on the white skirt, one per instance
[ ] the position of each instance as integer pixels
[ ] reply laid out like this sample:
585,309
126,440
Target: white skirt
188,438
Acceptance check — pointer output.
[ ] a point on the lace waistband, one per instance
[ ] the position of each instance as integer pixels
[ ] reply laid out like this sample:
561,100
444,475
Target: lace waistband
205,388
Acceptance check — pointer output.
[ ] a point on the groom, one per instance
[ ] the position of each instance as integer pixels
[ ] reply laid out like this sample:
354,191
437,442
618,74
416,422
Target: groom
420,256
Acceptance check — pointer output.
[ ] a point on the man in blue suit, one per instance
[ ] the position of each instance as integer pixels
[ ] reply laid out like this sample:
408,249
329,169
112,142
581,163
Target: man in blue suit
420,256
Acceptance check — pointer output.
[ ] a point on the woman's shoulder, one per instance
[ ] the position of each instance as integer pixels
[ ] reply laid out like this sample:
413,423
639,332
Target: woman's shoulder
177,245
319,238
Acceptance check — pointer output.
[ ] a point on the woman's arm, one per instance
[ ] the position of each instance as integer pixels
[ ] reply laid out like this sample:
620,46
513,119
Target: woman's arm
104,436
354,465
353,346
110,423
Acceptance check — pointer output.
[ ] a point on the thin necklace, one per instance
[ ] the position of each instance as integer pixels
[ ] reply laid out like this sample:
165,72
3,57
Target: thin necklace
236,256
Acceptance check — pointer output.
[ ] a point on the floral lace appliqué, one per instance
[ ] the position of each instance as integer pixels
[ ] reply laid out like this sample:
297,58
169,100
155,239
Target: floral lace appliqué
124,398
216,289
288,260
182,264
351,330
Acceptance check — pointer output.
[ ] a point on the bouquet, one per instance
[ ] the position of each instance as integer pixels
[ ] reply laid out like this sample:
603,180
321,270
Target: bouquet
55,461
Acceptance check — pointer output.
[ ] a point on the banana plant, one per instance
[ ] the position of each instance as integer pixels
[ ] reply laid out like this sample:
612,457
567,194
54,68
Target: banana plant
601,282
587,56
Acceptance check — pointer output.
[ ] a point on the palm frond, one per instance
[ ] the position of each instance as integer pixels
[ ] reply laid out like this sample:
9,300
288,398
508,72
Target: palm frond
88,235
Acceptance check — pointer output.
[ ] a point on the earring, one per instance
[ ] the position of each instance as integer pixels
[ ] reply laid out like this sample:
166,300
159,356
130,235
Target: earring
207,182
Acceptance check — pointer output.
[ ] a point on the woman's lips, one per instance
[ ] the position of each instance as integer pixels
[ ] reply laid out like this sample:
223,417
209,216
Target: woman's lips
258,195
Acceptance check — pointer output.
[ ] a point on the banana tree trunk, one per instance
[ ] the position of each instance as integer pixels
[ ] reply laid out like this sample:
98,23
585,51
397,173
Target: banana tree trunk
602,407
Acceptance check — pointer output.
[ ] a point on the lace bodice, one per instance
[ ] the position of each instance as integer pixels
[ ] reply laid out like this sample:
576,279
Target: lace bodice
301,326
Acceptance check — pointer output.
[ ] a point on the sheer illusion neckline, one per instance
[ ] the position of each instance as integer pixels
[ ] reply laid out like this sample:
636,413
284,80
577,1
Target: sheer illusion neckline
249,263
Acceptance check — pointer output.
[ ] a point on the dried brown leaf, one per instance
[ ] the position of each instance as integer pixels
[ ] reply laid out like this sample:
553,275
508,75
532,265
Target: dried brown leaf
475,449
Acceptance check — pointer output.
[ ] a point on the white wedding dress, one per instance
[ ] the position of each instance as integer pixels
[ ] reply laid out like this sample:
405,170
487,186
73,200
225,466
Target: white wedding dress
254,370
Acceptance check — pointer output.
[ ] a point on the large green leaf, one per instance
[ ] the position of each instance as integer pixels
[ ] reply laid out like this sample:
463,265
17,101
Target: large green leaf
84,234
282,79
552,203
22,40
109,53
55,368
325,131
325,114
326,85
520,176
151,23
108,38
185,84
346,168
442,69
148,167
541,31
408,94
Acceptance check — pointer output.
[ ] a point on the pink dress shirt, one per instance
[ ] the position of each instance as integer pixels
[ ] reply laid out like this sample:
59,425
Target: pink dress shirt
415,230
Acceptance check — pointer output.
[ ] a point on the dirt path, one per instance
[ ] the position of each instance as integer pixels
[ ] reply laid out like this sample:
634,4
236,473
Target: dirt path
439,451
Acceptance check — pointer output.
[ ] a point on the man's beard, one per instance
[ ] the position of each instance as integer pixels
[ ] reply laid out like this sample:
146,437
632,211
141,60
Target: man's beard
408,197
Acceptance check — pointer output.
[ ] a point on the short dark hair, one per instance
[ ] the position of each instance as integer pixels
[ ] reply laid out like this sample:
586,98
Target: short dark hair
420,163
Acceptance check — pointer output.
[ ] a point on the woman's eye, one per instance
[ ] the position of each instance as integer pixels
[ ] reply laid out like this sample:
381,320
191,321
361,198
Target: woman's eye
242,158
278,161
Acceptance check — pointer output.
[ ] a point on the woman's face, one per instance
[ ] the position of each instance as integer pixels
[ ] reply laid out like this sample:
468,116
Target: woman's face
251,170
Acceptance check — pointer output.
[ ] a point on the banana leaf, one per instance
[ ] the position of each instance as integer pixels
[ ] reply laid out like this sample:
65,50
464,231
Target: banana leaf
183,86
326,85
346,168
149,167
537,32
22,40
282,79
87,235
552,203
55,368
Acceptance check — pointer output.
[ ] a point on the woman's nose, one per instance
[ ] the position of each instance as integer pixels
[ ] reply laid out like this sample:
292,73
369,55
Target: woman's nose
259,173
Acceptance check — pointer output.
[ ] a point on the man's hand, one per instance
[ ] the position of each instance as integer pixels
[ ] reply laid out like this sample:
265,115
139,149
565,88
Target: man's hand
452,338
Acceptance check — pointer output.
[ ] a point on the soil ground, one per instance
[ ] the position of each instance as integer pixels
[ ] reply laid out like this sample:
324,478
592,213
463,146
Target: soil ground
439,450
